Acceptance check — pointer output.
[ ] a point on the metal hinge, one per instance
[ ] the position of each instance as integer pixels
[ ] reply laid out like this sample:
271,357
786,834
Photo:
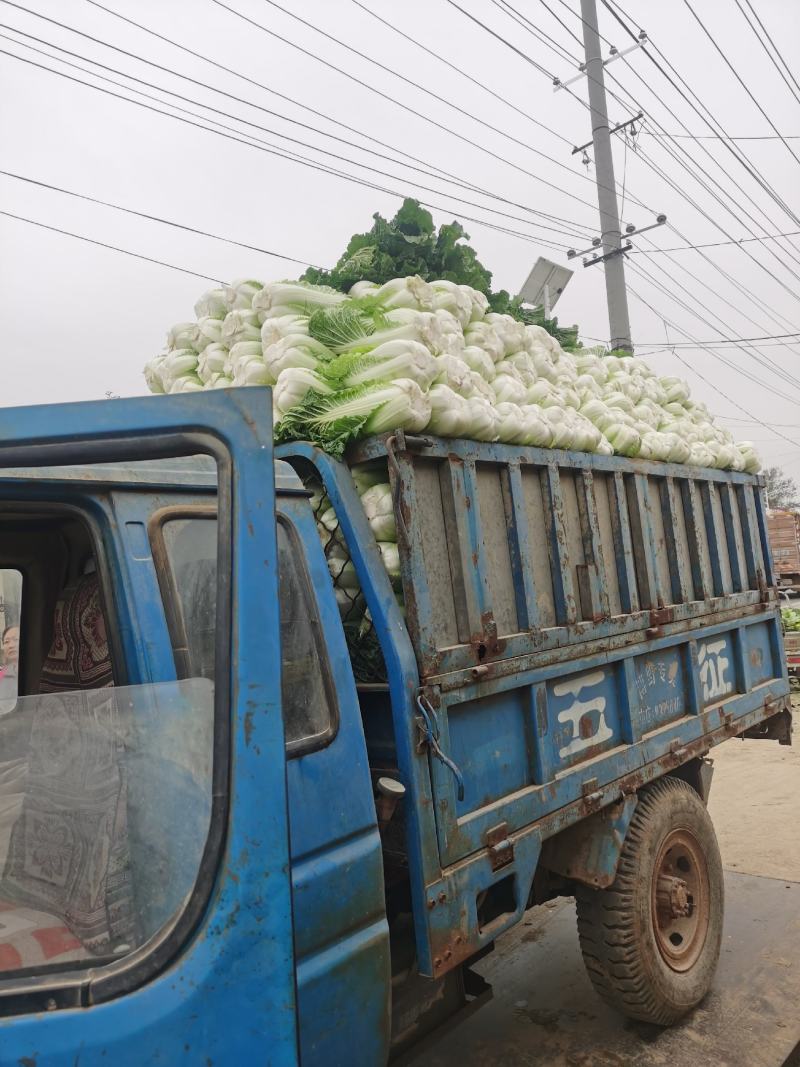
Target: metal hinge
500,846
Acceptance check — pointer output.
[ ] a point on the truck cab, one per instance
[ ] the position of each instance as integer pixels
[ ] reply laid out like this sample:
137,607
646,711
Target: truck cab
218,846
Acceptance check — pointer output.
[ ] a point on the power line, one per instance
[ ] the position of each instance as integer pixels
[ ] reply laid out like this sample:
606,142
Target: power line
740,80
112,248
153,218
715,244
741,343
238,99
266,129
291,156
738,156
464,74
408,108
689,366
491,32
561,22
770,55
719,136
529,27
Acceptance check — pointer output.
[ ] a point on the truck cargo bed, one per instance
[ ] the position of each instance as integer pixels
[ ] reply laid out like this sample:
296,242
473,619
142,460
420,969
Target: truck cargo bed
577,626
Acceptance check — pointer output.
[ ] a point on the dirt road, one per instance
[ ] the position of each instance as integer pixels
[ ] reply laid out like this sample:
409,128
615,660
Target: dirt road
755,805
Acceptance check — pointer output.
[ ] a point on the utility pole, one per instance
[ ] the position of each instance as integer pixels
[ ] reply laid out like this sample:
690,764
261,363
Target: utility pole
613,258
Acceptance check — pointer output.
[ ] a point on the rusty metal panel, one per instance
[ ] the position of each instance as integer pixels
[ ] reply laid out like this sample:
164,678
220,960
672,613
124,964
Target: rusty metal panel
430,607
540,558
662,568
602,496
496,544
520,547
560,566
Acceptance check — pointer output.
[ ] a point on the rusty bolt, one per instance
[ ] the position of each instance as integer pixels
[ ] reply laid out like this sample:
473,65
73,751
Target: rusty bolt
437,962
442,898
458,939
447,953
431,904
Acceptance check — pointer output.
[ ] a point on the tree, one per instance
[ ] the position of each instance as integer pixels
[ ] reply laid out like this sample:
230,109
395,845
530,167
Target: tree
782,491
409,244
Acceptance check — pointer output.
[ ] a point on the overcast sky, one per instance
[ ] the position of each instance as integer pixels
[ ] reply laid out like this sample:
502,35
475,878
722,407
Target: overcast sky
79,320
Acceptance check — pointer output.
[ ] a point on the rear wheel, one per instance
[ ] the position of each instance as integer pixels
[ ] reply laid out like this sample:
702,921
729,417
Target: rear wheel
651,941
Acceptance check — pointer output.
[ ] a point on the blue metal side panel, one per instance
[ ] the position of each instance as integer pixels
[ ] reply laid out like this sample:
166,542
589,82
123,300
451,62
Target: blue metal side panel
239,964
341,932
423,855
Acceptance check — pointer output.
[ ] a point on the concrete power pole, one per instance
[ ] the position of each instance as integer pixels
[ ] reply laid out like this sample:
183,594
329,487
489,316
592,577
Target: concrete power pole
614,262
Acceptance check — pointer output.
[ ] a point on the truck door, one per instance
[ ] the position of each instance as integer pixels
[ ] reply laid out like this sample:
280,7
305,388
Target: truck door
104,958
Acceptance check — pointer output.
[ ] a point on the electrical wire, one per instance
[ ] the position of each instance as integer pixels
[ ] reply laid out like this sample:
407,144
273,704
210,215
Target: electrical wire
529,27
613,7
741,81
464,74
154,218
405,107
276,133
770,55
491,32
252,142
113,248
232,96
716,244
774,46
718,136
694,370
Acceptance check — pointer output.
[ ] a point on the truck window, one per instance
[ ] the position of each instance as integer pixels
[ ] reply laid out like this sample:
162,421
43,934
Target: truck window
309,703
10,610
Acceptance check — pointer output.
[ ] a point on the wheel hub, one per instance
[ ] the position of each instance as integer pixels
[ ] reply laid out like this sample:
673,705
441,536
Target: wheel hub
672,897
680,900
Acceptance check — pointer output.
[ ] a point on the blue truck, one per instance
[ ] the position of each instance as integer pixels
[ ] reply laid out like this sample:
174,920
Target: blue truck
230,833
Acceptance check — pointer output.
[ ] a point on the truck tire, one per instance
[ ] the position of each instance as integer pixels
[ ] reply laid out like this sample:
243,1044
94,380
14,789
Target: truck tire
651,941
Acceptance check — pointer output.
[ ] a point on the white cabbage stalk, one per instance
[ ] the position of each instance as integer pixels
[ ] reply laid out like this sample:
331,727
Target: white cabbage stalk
239,294
509,330
507,389
523,366
480,303
213,360
625,440
452,337
404,324
176,364
296,296
275,329
292,385
207,331
483,420
379,508
452,297
296,350
187,383
511,428
212,304
450,413
390,556
222,381
389,361
411,292
486,337
253,371
152,374
480,361
403,407
752,461
478,387
241,325
543,365
454,373
361,289
181,335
